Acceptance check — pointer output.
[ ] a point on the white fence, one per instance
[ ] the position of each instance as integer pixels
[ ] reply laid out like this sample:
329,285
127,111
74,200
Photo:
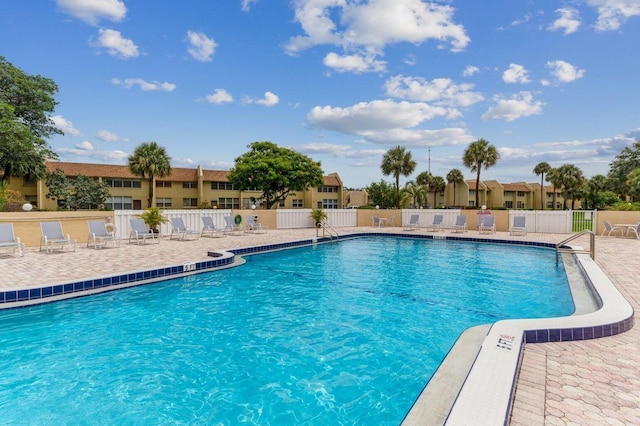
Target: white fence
299,218
425,216
556,221
191,219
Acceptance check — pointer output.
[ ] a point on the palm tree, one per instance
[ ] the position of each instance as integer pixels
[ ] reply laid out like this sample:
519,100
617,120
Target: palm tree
556,182
416,192
540,169
455,177
397,161
571,179
437,185
424,180
479,154
150,160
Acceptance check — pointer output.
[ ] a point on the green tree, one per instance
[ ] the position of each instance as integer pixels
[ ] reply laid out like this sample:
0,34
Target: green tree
455,177
556,181
633,183
79,192
415,192
275,171
437,184
593,188
623,164
540,170
150,160
382,194
480,154
26,102
571,179
397,161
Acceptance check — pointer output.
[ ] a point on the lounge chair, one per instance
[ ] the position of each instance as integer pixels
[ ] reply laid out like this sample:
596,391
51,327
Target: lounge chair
376,222
52,236
460,225
179,229
99,235
609,229
140,232
519,226
9,241
230,225
437,224
634,230
414,223
488,225
209,228
252,225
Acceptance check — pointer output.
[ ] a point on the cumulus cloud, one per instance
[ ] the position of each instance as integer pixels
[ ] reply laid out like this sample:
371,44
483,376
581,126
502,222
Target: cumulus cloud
470,70
338,151
91,11
354,63
87,150
270,99
107,136
115,44
440,91
564,72
517,106
613,13
201,48
65,125
568,22
516,74
128,83
219,96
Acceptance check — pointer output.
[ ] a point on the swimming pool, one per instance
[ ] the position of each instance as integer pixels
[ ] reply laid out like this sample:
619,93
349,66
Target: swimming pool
331,334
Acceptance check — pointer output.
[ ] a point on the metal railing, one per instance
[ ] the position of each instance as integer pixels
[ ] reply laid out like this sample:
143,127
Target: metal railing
592,244
329,230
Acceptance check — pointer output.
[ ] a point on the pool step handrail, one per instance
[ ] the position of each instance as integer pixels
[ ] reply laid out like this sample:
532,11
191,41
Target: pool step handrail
592,244
329,230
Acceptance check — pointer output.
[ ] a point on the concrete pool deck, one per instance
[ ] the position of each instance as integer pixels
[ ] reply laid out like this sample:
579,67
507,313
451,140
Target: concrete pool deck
589,382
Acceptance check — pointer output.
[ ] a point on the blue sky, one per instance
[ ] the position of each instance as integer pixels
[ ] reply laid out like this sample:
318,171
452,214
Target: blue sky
341,81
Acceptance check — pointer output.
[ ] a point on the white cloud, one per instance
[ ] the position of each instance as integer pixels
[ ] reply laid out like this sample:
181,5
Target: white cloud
201,47
516,74
115,44
86,149
219,96
246,4
518,106
569,20
269,100
470,70
613,13
564,72
107,136
354,63
91,11
441,91
65,125
128,83
337,151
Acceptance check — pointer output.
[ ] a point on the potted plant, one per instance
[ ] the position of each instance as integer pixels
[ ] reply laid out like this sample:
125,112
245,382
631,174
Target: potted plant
153,218
318,215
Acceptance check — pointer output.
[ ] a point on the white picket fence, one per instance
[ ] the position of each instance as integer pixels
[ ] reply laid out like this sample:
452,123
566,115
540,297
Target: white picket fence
557,221
299,218
425,216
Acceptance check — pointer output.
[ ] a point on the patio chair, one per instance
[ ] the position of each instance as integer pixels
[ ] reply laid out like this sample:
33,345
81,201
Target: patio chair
100,235
488,225
414,223
230,224
376,222
252,225
8,239
634,230
53,236
209,228
437,224
610,229
179,229
519,226
140,232
460,225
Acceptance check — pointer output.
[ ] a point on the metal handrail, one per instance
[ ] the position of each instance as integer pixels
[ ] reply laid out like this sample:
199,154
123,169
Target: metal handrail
592,244
330,230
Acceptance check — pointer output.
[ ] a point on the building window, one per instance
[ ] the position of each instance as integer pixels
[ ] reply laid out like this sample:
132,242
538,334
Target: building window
329,204
508,204
190,185
118,203
229,203
247,203
325,188
163,184
550,204
297,204
163,202
520,193
221,186
508,193
472,203
520,205
189,202
281,204
123,183
472,193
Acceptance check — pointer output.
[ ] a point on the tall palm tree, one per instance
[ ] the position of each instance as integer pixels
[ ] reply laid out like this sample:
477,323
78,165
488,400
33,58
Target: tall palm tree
480,154
397,161
437,185
556,181
455,177
540,169
150,160
571,178
416,192
424,180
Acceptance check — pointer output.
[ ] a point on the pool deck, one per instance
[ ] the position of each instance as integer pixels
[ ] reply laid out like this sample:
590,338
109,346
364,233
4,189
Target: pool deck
589,382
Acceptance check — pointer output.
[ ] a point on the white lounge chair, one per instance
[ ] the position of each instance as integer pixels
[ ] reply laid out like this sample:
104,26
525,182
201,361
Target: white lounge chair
634,230
376,222
414,223
140,232
438,224
179,229
209,228
53,236
99,235
519,226
609,229
230,224
460,225
9,241
252,225
488,225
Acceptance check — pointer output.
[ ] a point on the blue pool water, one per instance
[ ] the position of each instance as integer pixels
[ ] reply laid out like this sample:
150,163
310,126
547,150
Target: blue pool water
344,333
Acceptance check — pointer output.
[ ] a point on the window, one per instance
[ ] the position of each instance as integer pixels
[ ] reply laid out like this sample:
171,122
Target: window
247,203
163,202
508,193
520,205
472,203
229,203
508,204
190,185
189,202
221,186
297,204
472,193
123,183
29,181
329,204
118,203
325,188
163,184
550,204
520,193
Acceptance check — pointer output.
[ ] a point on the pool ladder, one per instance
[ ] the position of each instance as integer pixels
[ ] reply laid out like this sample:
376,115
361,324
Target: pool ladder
592,244
329,230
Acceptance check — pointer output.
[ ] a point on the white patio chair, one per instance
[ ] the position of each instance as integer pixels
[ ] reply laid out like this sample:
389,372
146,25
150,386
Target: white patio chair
488,225
438,224
460,225
179,229
209,228
252,225
519,226
140,232
610,229
9,241
53,236
100,235
414,223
